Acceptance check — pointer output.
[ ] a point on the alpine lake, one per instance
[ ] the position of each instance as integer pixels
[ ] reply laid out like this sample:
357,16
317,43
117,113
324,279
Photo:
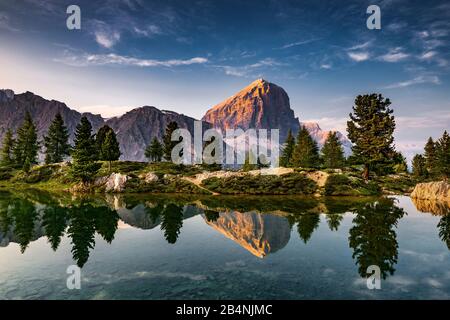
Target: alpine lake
151,246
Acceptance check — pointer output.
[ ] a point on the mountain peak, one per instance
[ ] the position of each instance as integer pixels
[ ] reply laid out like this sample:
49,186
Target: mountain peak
260,105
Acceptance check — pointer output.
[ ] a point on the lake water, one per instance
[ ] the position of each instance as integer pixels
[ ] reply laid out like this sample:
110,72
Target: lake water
187,247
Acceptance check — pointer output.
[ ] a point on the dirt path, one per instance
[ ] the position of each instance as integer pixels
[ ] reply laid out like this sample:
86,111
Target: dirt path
199,184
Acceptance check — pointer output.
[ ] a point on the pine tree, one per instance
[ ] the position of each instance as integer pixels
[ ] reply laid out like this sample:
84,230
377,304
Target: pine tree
84,153
399,163
100,138
154,151
306,151
430,157
288,149
57,141
26,147
419,166
6,152
371,128
110,150
333,155
250,162
443,156
167,140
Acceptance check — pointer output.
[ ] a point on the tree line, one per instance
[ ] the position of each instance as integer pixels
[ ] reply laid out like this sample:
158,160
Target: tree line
435,161
370,129
21,151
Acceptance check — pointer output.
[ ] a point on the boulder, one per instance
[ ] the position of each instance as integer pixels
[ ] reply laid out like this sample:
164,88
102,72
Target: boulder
432,191
116,182
149,177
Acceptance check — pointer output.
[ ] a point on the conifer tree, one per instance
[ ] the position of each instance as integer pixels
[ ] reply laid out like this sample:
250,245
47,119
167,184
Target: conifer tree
110,150
100,138
167,140
370,129
288,149
430,157
306,151
6,152
84,153
56,142
333,155
443,156
154,151
419,166
26,147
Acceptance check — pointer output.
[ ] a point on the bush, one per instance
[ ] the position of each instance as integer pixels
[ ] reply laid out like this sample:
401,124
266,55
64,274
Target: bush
295,183
342,185
5,173
339,185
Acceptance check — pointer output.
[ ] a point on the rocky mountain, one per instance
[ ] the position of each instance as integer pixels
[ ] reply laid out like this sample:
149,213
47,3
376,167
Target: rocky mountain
136,128
264,105
14,106
261,105
320,136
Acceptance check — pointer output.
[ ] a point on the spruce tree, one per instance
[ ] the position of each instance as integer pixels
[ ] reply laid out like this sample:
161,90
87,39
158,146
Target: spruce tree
56,141
333,155
84,153
288,149
100,138
154,151
167,140
6,152
370,129
110,150
443,156
306,151
26,147
399,163
431,158
419,166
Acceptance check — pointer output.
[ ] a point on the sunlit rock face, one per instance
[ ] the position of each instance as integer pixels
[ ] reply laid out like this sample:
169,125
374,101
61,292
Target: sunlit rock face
439,208
432,191
261,105
260,234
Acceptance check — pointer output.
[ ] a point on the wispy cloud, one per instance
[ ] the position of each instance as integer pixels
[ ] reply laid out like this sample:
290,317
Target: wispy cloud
360,46
394,55
148,31
359,56
298,43
415,81
86,59
5,23
107,40
249,70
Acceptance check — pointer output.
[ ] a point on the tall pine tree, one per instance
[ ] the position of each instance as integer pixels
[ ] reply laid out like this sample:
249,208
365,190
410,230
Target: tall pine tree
333,155
288,150
26,147
167,140
84,153
56,142
154,151
306,151
110,150
431,157
443,155
419,166
371,128
6,152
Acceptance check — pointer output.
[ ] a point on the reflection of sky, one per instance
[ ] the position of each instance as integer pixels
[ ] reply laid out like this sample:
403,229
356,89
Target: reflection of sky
187,57
205,264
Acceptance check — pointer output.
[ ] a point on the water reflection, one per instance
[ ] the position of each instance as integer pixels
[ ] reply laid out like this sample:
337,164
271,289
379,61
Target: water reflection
260,225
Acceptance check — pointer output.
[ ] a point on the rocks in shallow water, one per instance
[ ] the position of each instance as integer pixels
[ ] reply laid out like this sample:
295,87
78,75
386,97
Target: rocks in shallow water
432,191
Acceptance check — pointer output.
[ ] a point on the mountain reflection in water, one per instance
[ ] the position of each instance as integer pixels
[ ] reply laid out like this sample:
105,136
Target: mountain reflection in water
260,225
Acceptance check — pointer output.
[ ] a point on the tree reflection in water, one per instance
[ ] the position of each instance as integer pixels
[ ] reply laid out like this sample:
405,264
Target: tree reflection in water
373,237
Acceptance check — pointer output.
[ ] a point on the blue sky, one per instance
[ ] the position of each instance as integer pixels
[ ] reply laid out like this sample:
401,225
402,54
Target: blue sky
187,56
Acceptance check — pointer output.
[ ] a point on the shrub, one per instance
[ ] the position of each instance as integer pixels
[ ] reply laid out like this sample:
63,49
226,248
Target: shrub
339,185
294,183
